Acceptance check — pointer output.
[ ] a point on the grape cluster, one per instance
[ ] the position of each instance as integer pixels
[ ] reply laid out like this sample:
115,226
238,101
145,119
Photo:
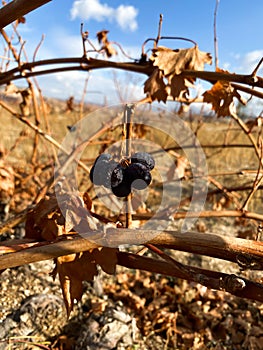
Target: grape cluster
122,177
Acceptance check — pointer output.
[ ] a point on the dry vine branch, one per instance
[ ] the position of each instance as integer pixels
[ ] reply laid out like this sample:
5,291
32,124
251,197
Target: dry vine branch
86,64
232,249
18,8
226,248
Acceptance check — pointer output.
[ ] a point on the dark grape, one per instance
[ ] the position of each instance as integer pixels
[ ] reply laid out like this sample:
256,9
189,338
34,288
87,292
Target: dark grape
103,156
99,171
122,190
138,175
143,158
117,175
122,178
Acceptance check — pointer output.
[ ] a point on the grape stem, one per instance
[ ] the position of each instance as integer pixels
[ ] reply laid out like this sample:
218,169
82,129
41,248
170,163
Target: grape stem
127,122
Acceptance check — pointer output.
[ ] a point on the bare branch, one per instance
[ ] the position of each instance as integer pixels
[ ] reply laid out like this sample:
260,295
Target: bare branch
18,8
215,35
237,250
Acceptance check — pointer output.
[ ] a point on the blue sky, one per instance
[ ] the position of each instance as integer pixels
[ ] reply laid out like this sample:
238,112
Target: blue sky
239,27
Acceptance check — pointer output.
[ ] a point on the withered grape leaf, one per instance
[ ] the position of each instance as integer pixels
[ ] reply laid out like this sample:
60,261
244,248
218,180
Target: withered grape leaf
173,62
40,223
106,45
221,96
46,222
106,258
102,36
73,269
155,87
178,87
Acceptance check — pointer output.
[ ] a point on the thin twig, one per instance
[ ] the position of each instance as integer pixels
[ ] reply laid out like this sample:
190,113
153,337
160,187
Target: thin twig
38,47
215,35
159,30
253,74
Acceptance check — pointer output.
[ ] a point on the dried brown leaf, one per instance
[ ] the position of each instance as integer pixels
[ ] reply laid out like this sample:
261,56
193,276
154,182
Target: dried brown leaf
75,268
106,44
173,62
155,87
47,222
109,50
178,87
106,258
25,105
102,36
21,20
38,218
72,270
221,96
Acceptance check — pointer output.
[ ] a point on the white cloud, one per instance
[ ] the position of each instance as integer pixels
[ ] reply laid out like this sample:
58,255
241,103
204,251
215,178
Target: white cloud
123,15
126,17
247,63
91,9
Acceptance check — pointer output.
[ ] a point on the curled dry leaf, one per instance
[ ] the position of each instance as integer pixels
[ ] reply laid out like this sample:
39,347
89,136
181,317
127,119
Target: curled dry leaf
75,268
155,87
46,222
42,223
102,36
178,87
221,96
106,45
179,169
170,64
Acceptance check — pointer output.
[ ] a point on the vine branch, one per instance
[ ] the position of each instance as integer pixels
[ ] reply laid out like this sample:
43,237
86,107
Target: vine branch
18,8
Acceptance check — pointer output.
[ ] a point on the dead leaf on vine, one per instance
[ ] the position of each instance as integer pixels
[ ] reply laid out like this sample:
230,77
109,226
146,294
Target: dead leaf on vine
40,223
48,219
178,87
221,96
102,37
155,87
173,62
75,268
47,222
